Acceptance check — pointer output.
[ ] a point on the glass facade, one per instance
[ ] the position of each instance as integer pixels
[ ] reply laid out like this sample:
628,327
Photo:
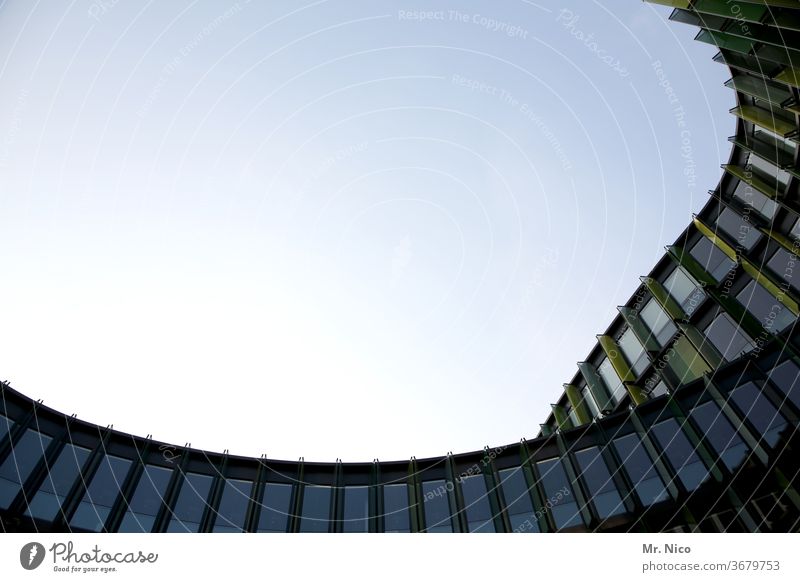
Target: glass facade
275,508
643,475
102,492
600,486
680,453
233,506
396,508
436,505
476,503
26,453
147,499
190,507
315,516
61,477
519,506
661,326
356,509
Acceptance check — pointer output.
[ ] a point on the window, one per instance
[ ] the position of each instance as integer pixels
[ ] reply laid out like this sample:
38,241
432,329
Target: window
60,478
795,230
661,326
275,508
476,504
191,503
101,494
356,509
764,417
785,377
739,230
559,493
233,506
640,469
316,512
772,314
681,454
634,352
615,386
685,361
146,500
5,427
395,508
596,476
589,400
519,506
25,454
768,171
719,432
436,503
726,336
714,261
784,264
757,201
684,290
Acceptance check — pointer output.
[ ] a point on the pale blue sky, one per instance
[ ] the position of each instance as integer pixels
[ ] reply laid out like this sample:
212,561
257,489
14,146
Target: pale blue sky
336,229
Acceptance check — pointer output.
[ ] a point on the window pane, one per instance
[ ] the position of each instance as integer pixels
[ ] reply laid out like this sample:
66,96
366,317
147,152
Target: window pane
5,427
684,290
612,381
589,400
476,504
658,321
188,511
24,456
726,336
356,509
756,200
233,506
685,361
784,265
435,499
773,315
559,494
739,230
595,474
785,377
60,479
101,493
764,417
634,352
146,500
275,507
719,432
639,466
714,261
395,508
681,454
316,508
519,506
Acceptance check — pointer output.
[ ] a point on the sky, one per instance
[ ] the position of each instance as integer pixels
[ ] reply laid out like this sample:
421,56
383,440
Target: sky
355,230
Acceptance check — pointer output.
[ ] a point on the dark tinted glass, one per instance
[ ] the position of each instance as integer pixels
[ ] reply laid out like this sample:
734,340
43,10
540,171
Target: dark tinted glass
558,493
773,314
714,261
786,377
24,456
275,507
233,506
101,493
435,500
785,265
476,504
356,509
740,231
316,509
517,497
720,433
681,454
727,338
146,500
395,508
5,426
602,491
637,463
191,503
60,479
764,417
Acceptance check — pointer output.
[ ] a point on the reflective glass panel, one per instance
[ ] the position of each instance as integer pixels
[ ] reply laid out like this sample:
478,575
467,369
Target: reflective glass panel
356,509
476,504
786,377
435,499
191,503
640,469
773,315
739,230
558,493
60,479
764,417
615,386
681,454
719,432
275,507
634,352
602,491
233,506
684,290
519,506
727,338
146,500
658,321
714,261
24,456
101,494
785,265
395,508
316,508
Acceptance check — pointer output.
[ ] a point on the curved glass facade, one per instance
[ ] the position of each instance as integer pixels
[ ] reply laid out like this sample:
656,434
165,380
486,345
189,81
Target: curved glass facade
683,417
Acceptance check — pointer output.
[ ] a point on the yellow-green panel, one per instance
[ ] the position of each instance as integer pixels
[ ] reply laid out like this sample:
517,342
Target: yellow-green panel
614,354
765,119
752,180
774,289
664,298
710,235
578,405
